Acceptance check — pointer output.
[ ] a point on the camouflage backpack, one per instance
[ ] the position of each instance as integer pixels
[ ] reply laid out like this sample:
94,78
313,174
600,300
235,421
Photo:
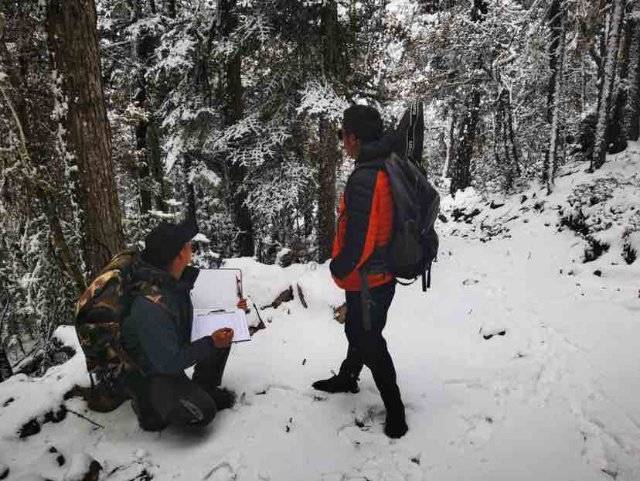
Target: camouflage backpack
99,314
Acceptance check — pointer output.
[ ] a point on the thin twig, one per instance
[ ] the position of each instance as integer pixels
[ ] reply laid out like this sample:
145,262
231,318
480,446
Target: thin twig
85,418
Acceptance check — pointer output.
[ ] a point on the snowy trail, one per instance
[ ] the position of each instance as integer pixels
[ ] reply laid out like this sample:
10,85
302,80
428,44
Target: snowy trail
510,367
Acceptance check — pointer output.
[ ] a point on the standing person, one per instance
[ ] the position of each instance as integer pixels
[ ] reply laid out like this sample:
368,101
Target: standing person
156,335
358,264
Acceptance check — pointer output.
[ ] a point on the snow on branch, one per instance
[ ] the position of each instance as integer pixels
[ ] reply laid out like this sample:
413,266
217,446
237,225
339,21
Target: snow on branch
319,98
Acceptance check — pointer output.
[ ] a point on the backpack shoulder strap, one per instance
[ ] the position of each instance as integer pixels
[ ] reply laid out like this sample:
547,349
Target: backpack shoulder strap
152,293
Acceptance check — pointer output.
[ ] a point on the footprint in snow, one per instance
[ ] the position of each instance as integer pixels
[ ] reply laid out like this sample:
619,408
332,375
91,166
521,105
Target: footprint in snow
489,333
480,428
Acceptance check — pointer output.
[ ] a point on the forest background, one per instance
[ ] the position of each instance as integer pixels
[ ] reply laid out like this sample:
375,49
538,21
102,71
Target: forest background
116,114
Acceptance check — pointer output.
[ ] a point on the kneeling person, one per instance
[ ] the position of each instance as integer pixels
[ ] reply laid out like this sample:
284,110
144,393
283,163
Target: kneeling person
157,336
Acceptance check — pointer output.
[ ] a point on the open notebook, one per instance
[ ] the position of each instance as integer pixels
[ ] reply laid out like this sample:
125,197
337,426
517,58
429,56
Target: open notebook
215,296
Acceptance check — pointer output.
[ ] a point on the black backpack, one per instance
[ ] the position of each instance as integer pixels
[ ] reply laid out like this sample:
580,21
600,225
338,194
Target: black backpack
414,244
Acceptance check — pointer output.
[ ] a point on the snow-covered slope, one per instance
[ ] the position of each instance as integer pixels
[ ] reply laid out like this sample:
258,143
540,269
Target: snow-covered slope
519,363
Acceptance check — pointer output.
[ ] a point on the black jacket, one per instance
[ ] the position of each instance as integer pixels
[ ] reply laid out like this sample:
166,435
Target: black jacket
358,196
157,331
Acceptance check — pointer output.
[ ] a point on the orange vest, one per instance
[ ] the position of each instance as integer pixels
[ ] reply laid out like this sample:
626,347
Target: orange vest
378,235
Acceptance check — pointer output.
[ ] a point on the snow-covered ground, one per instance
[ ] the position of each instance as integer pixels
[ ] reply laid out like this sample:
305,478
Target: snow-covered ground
519,364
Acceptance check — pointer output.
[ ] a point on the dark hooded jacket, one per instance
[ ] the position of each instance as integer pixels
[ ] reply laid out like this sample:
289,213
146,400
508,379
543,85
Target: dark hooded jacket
157,331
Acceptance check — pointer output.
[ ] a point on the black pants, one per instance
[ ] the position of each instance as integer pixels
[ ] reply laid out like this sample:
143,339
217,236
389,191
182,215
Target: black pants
369,348
178,400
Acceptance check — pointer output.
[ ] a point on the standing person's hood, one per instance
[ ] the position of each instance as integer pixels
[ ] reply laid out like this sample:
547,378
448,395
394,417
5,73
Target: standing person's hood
375,149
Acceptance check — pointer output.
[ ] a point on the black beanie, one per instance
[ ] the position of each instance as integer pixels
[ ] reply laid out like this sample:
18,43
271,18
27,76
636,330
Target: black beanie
166,240
363,121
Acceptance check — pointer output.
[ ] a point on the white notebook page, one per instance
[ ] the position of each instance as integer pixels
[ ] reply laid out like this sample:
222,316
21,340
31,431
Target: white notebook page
205,322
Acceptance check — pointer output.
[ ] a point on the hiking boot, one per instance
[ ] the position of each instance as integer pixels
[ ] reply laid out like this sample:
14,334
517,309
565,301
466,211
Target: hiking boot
223,397
335,384
103,398
148,418
395,426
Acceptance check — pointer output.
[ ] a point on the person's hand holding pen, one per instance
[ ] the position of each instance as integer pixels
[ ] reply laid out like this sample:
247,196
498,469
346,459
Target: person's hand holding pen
222,337
242,304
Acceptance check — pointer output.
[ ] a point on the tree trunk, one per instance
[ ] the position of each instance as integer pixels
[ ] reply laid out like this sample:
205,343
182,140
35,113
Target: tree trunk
616,131
72,36
154,156
505,143
232,112
632,109
170,6
142,49
150,169
608,81
330,43
446,169
328,152
328,156
461,172
557,25
478,10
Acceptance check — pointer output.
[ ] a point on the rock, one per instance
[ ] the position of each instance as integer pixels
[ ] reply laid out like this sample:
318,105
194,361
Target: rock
496,204
523,199
597,272
443,218
4,471
470,282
